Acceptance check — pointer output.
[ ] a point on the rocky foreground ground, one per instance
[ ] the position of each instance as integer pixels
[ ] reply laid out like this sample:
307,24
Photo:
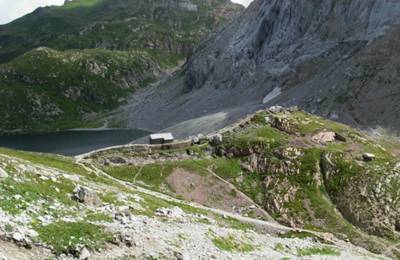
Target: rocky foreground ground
223,196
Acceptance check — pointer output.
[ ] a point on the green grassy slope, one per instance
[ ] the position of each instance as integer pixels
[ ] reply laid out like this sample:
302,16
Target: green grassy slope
325,187
46,89
114,24
62,66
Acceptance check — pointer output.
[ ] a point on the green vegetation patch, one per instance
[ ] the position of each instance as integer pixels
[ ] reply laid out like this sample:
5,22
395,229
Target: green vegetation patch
345,171
124,173
301,235
231,243
308,124
227,168
64,237
50,160
310,251
252,186
17,196
154,175
98,217
265,136
280,247
111,198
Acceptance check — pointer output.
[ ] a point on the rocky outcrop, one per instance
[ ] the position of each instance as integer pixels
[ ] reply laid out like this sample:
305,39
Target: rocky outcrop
86,196
312,175
304,171
368,197
334,58
306,49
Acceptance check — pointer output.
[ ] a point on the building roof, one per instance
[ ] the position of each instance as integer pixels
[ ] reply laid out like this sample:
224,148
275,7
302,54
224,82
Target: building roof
164,136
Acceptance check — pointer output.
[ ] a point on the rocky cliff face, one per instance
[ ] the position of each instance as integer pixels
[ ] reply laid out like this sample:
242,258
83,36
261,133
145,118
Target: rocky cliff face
315,52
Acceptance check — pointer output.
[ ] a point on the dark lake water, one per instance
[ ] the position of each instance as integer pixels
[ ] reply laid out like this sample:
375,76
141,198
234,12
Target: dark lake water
70,142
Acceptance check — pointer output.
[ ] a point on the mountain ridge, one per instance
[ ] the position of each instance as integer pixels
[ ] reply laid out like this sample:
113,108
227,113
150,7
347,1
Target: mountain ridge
314,53
70,64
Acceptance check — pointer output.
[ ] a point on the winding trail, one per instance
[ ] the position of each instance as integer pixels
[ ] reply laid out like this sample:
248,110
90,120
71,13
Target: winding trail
268,227
137,174
264,226
233,187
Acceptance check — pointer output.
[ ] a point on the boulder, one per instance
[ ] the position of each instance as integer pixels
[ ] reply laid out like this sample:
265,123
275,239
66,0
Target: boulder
328,236
21,239
175,212
84,254
18,237
324,137
275,109
340,138
368,157
216,139
116,160
195,140
282,123
86,196
202,138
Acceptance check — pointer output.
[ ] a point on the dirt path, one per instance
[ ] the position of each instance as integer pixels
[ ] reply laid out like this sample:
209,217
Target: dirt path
268,227
137,174
265,226
233,187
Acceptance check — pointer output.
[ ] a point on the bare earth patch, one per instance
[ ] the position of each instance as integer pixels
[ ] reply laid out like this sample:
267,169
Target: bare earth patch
206,190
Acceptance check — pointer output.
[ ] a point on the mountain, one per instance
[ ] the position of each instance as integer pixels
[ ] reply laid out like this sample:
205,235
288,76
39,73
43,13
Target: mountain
62,66
171,25
218,196
334,58
320,55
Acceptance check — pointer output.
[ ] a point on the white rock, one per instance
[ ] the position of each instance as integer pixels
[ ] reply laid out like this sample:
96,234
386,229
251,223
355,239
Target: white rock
195,139
137,198
85,254
32,233
324,137
18,197
3,173
275,109
43,178
18,237
175,212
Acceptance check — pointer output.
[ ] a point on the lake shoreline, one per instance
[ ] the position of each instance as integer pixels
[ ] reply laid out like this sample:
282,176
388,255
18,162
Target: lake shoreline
71,142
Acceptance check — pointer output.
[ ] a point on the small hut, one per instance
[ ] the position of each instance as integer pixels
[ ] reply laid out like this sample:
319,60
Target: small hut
162,138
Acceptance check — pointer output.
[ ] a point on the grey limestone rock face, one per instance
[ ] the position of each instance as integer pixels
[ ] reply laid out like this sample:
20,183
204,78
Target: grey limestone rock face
334,58
303,47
